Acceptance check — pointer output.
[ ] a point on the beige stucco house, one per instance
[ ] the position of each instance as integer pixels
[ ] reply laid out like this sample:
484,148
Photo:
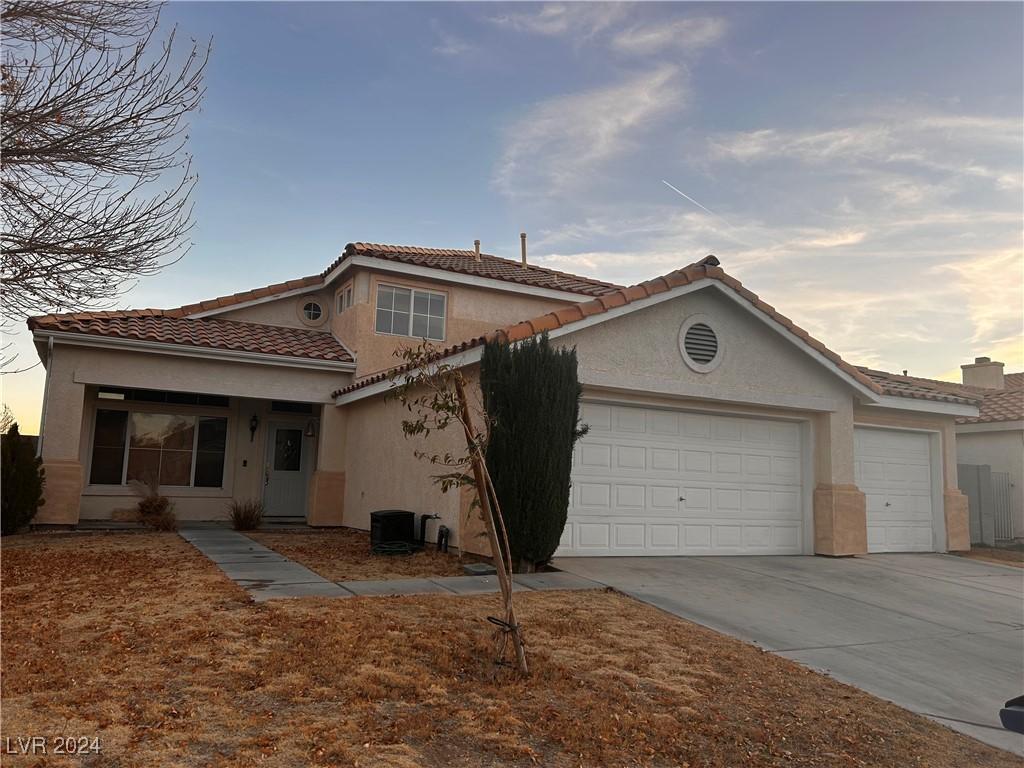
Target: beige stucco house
717,426
995,437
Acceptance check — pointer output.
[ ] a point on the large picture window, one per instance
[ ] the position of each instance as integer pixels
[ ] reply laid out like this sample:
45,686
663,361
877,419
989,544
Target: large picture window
408,312
170,449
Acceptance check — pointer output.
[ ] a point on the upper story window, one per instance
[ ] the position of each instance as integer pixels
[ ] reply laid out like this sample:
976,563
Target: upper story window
344,298
312,311
409,312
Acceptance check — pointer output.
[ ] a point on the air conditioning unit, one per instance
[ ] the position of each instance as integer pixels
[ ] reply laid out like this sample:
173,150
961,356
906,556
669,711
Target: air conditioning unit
391,526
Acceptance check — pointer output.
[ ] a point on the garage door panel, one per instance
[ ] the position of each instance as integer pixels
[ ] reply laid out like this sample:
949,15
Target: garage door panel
893,469
672,482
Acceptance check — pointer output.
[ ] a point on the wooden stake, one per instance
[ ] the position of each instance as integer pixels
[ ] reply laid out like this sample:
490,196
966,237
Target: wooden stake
492,517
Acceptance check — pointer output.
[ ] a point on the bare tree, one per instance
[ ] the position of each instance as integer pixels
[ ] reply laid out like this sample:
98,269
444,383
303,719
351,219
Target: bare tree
96,181
434,393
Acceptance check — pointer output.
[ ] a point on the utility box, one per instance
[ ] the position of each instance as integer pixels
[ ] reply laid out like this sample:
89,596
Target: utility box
391,526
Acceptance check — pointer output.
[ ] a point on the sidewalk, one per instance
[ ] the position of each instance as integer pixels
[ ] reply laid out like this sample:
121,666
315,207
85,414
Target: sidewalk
267,575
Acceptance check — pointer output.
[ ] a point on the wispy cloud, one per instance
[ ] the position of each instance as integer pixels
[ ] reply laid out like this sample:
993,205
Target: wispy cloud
689,35
560,143
578,20
448,43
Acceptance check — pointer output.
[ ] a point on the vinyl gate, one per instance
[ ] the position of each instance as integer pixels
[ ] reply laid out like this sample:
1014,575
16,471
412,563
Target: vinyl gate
988,497
1001,505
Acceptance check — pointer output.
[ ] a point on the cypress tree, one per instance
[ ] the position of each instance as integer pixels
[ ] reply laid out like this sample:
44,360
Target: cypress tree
21,477
532,397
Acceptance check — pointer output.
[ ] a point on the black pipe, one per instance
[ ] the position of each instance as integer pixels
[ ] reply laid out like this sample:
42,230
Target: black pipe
423,528
442,538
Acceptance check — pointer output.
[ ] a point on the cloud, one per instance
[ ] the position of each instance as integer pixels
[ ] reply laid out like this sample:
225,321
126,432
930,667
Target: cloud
449,44
690,35
578,20
560,143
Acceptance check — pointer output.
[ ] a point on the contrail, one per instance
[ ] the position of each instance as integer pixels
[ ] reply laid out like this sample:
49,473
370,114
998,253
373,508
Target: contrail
728,226
680,192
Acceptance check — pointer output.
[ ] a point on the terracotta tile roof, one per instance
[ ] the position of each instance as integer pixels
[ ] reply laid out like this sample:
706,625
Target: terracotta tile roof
489,266
998,405
447,259
706,269
221,302
897,385
207,332
1013,380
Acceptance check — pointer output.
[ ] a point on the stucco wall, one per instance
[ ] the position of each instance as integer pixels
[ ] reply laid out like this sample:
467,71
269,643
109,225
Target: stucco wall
384,473
471,311
286,311
1004,452
640,350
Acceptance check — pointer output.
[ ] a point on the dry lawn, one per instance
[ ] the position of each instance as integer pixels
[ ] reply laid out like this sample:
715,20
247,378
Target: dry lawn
999,555
139,640
343,554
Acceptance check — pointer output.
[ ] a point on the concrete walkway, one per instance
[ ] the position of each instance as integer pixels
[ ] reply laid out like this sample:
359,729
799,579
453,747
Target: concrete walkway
261,571
939,635
267,575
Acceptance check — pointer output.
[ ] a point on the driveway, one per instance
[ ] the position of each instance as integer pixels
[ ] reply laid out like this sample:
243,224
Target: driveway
937,634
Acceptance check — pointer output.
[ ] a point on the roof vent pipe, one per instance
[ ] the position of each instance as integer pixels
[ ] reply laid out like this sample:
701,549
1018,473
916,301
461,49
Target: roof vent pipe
522,241
476,250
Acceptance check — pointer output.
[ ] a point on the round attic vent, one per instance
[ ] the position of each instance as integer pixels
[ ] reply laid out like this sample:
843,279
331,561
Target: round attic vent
698,344
701,343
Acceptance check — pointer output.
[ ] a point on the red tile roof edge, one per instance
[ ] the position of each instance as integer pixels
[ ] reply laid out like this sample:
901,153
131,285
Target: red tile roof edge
707,268
200,333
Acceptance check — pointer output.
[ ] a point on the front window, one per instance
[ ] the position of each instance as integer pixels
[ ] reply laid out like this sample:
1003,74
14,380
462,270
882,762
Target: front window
169,449
312,311
408,312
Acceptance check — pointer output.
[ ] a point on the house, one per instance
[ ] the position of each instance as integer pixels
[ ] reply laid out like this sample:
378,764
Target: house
995,437
717,426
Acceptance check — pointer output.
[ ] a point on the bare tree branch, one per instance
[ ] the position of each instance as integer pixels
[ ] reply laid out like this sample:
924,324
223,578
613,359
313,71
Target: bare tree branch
95,180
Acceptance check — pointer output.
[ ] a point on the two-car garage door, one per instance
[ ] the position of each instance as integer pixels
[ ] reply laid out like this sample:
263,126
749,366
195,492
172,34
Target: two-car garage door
649,481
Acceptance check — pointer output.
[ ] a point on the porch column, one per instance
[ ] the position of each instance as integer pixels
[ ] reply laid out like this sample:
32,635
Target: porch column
326,499
840,508
62,435
958,520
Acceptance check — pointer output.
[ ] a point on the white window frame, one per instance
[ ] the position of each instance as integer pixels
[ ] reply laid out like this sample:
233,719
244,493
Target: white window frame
344,298
412,304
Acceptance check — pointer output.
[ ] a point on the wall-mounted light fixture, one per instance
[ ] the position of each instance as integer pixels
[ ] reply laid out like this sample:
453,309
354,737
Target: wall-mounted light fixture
311,428
254,424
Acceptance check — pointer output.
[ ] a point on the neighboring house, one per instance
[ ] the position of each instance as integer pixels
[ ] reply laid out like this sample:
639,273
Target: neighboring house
717,426
996,435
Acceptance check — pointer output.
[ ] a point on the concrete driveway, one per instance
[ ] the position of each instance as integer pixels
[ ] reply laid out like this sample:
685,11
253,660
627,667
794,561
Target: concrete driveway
937,634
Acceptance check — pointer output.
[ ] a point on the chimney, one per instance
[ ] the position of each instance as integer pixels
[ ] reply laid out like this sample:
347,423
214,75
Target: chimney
522,241
983,373
476,249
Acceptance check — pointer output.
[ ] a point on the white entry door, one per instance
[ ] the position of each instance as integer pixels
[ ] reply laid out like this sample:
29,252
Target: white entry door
650,481
893,469
286,471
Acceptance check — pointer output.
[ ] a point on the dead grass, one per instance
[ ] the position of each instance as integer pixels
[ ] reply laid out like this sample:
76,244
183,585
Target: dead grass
343,554
1000,555
139,640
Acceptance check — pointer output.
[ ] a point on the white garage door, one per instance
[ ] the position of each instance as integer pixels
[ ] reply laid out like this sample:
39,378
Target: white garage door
648,481
893,469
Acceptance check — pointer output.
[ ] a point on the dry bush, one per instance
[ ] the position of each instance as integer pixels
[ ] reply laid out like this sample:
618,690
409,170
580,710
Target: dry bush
154,509
246,515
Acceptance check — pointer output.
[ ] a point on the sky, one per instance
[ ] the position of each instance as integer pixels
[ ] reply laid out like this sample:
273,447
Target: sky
859,166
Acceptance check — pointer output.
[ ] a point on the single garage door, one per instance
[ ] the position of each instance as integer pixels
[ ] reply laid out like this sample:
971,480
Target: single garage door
648,481
893,469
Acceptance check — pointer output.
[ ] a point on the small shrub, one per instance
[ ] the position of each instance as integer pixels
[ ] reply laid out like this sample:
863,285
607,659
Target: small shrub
154,509
246,515
21,481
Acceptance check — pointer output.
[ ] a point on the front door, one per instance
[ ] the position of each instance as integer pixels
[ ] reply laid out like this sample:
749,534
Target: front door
286,472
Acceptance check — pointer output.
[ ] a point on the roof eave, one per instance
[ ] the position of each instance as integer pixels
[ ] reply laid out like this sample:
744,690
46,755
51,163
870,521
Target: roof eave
188,350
